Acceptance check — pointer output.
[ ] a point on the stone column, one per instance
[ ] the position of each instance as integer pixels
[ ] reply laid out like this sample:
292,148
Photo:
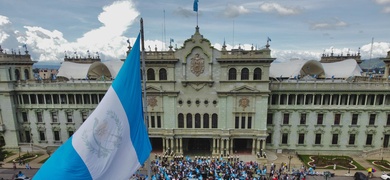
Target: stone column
193,120
177,150
149,120
223,147
231,147
181,145
214,146
167,146
185,120
263,144
163,141
287,100
254,146
365,100
296,99
227,146
218,151
171,143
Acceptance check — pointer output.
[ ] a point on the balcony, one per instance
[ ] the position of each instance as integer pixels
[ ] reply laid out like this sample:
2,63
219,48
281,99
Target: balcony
322,85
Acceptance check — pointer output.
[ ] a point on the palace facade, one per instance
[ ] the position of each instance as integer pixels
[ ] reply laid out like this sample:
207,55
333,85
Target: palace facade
200,99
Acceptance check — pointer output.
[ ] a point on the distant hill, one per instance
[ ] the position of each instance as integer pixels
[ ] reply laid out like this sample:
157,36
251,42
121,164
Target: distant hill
374,63
47,65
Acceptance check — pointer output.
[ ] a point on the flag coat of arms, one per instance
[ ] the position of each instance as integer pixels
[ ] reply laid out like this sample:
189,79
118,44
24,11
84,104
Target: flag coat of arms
113,142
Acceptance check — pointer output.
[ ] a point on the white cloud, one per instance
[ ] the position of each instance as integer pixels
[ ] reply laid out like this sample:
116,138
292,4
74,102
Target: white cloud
48,45
379,49
385,3
4,22
185,12
334,23
382,1
108,39
232,11
279,9
116,19
286,55
386,9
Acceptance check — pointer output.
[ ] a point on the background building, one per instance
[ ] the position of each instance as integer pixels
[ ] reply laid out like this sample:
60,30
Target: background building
206,101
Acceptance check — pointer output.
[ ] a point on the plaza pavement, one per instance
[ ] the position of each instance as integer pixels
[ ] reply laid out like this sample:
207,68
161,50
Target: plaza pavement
7,171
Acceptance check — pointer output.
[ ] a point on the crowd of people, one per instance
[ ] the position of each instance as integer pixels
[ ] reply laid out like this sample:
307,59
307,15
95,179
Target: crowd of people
21,163
232,167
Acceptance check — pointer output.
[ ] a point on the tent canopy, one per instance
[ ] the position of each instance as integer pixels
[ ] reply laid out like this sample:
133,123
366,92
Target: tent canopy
302,68
97,70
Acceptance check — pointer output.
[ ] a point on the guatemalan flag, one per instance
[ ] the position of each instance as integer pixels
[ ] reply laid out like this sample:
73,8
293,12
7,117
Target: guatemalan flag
113,142
195,8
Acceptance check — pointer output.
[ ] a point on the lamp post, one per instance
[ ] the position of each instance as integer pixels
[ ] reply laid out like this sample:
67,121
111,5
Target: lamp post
31,143
289,162
382,150
349,167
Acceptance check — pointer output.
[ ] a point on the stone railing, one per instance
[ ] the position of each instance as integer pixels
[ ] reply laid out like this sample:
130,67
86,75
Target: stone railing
328,86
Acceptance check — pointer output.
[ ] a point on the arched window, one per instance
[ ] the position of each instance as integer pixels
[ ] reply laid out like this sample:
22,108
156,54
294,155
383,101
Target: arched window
189,120
17,74
206,121
150,74
26,74
257,74
197,120
180,119
214,123
245,74
162,74
232,74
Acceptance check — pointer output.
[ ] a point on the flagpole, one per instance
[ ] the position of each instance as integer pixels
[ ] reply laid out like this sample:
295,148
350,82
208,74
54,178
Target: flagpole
144,87
197,18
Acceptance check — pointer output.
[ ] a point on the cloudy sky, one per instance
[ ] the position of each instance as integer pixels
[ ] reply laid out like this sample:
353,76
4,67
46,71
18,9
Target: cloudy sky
301,29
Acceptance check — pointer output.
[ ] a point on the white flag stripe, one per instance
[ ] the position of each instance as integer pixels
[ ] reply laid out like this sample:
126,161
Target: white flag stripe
102,158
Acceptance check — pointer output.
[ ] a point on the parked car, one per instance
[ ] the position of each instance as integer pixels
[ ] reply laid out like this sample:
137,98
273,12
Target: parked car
385,176
360,176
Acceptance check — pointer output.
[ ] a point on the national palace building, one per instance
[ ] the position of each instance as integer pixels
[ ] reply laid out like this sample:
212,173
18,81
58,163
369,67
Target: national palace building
200,99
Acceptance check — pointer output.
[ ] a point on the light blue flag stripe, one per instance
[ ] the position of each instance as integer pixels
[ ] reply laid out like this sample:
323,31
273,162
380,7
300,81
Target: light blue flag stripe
63,162
131,99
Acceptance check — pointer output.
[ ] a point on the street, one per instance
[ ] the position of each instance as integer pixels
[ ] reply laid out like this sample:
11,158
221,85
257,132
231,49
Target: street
7,173
337,177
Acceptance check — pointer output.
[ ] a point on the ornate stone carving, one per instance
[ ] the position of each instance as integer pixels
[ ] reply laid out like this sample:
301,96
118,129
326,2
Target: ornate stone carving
152,101
244,102
197,65
197,86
